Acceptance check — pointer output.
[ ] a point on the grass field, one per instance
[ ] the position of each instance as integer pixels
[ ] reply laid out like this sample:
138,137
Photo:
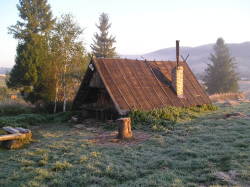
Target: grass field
209,151
2,82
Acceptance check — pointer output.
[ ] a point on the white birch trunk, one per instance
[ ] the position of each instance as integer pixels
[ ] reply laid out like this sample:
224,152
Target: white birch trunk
64,90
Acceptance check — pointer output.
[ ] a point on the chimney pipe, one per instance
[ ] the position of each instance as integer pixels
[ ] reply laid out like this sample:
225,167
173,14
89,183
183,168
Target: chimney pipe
177,51
177,74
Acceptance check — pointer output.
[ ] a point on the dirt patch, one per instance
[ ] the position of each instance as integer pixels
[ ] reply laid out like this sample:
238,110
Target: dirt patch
227,176
236,115
109,138
232,103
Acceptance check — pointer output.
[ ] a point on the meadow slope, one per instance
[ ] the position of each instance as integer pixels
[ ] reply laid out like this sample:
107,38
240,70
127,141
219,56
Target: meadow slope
210,150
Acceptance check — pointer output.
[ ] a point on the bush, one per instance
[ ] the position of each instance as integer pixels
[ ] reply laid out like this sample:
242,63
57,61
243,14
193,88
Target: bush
23,120
26,120
14,109
167,116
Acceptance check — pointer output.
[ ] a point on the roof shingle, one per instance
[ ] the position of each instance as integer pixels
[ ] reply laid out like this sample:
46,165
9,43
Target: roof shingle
146,85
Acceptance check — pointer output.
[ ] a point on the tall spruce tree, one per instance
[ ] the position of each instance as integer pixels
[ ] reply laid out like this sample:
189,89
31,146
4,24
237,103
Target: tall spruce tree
103,42
32,32
220,75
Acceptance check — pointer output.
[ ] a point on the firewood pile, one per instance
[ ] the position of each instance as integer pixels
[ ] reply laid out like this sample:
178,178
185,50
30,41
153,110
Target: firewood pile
15,137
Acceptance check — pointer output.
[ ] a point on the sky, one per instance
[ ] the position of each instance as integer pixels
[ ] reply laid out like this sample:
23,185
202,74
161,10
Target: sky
142,26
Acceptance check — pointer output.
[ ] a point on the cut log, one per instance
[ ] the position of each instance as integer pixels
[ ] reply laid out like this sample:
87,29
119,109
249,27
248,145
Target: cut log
12,136
15,141
124,128
12,144
22,130
16,138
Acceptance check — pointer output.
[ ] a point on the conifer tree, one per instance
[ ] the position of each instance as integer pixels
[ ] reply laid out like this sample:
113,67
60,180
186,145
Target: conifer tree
103,42
221,76
32,32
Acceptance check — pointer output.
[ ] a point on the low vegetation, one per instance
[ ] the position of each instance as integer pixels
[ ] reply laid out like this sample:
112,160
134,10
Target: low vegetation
12,108
27,120
209,150
168,116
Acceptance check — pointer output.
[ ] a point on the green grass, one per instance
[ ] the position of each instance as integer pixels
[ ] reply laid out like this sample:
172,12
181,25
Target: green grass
27,120
14,109
192,153
2,82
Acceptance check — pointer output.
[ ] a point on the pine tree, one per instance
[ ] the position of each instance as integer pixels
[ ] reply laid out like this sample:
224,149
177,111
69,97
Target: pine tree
32,32
103,42
221,76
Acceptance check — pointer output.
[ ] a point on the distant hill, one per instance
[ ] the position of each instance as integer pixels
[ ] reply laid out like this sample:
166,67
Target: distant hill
199,56
4,70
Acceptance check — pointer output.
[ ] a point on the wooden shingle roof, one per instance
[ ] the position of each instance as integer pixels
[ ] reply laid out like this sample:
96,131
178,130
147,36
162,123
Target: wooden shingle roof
146,85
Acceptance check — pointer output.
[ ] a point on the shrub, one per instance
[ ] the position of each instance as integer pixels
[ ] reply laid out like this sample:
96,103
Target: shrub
15,107
25,120
167,116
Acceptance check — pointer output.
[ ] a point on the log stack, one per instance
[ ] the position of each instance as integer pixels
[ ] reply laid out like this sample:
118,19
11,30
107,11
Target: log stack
16,137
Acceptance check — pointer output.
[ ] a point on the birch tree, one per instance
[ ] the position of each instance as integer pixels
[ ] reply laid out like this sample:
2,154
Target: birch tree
68,53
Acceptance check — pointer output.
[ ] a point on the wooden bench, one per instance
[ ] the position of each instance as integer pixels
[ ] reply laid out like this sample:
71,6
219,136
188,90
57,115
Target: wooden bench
16,137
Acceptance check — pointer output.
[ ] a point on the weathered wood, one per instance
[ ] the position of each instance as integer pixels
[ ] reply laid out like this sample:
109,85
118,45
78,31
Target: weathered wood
124,128
16,138
10,130
22,130
12,136
13,144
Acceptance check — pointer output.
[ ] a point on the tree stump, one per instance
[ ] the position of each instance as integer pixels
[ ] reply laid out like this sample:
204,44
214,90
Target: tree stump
124,128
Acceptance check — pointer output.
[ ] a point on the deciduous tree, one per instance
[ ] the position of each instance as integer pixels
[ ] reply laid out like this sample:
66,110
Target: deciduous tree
68,57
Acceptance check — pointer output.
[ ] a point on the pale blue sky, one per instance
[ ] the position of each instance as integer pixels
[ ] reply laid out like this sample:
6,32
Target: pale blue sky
142,26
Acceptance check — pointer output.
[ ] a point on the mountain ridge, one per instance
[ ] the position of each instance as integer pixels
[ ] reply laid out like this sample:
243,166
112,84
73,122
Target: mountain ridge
199,56
4,70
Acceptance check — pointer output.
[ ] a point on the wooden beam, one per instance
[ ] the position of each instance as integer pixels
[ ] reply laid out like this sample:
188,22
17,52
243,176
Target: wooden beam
12,136
10,130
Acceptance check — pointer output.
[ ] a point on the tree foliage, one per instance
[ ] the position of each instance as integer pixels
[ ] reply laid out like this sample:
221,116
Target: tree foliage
220,75
68,57
36,18
103,42
32,32
50,56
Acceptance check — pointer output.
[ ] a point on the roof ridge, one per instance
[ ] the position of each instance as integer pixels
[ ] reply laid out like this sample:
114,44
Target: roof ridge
141,60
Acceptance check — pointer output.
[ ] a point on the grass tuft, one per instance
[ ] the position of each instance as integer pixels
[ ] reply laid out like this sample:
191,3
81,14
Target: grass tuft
61,165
